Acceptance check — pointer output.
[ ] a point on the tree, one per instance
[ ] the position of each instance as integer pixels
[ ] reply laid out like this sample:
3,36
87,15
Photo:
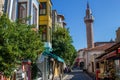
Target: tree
17,42
62,45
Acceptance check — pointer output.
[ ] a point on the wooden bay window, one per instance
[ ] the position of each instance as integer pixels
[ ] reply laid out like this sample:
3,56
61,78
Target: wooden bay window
22,11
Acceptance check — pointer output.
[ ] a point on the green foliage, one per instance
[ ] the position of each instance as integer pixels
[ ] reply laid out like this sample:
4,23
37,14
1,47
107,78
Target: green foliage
17,42
62,45
34,71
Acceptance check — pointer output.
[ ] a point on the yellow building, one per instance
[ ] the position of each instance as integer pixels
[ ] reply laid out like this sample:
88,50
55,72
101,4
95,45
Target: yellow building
45,19
45,25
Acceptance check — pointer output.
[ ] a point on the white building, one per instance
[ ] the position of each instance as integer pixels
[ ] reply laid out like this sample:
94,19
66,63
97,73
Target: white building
57,20
90,55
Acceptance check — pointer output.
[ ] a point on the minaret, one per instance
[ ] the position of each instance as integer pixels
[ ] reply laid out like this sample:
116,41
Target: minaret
89,19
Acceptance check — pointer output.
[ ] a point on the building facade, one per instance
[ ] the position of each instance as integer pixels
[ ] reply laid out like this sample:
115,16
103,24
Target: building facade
57,20
51,64
45,19
88,55
45,26
95,52
25,10
109,61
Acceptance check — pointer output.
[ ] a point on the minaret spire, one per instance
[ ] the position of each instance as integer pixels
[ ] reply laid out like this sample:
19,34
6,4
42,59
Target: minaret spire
89,19
87,5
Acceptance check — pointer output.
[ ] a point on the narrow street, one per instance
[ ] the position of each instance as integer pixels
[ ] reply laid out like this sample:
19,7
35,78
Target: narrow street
77,75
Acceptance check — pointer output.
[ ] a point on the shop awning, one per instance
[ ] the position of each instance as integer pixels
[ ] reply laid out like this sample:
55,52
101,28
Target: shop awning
53,56
115,54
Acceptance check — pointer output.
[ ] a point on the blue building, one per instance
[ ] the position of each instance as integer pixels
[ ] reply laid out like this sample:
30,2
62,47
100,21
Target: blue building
19,9
22,10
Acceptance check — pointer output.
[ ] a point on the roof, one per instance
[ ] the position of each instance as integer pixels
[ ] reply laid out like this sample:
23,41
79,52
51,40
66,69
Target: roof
54,11
101,47
64,23
84,49
110,49
62,16
101,43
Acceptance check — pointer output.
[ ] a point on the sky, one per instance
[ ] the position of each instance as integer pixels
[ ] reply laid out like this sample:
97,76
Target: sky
105,12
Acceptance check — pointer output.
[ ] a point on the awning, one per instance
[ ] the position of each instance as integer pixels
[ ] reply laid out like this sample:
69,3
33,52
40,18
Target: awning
112,55
53,56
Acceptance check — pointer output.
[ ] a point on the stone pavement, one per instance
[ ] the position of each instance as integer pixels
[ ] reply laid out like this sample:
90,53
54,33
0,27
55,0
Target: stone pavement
77,75
62,78
91,75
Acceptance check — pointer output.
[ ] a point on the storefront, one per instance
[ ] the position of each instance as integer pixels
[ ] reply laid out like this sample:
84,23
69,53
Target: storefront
117,68
46,64
110,62
42,66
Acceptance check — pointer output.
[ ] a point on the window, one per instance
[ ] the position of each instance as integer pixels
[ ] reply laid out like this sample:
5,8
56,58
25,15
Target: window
34,15
22,11
50,12
97,65
13,11
43,8
50,33
43,29
8,6
5,5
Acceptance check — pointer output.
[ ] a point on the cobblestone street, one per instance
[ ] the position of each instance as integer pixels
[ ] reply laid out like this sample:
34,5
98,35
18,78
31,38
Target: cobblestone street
77,75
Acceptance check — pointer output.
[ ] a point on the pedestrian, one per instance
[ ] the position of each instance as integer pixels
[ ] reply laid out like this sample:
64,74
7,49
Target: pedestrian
65,70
